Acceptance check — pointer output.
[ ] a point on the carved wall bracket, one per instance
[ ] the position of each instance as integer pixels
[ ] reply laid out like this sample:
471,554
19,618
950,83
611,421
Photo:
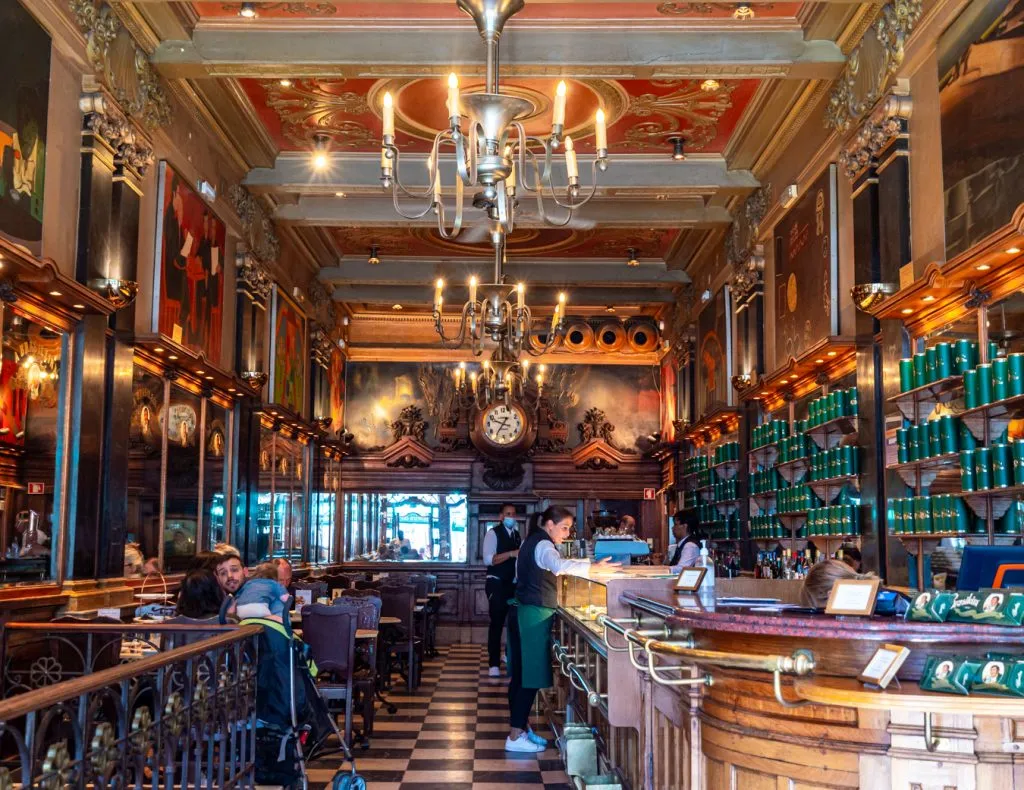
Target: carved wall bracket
410,423
121,65
885,124
321,346
252,279
748,278
872,64
257,228
742,239
104,120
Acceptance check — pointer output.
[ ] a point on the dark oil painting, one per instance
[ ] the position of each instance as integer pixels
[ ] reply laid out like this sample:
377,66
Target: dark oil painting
289,353
981,102
712,346
806,271
24,93
336,373
190,251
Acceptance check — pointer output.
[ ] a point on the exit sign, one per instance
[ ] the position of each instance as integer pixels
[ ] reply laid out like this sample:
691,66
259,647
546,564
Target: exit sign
649,493
36,488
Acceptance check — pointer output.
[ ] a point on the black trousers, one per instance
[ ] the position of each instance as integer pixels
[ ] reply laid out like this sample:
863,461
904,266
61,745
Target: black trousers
498,595
520,700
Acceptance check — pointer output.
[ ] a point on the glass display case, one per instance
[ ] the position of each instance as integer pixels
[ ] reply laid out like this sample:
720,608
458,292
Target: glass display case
584,599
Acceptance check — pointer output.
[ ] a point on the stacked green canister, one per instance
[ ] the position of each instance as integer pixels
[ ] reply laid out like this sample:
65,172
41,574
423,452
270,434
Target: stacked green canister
940,436
838,403
837,520
768,433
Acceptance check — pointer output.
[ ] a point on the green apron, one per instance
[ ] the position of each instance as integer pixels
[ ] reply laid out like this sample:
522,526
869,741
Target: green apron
535,645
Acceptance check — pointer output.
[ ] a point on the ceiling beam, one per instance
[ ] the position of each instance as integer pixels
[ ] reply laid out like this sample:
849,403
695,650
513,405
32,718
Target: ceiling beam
698,174
338,47
407,295
434,353
423,271
380,211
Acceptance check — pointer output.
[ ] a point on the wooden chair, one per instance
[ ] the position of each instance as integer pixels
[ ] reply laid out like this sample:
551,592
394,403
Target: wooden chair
367,612
330,632
399,602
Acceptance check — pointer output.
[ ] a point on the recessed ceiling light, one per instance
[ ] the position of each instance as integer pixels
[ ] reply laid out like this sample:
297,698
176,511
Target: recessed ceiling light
200,372
396,307
819,361
172,356
247,10
764,392
832,353
982,267
1013,250
231,389
78,306
907,310
710,85
208,378
285,83
56,293
610,308
339,194
159,349
928,298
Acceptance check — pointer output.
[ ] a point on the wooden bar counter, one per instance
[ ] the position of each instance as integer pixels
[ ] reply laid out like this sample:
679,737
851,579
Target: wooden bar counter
730,721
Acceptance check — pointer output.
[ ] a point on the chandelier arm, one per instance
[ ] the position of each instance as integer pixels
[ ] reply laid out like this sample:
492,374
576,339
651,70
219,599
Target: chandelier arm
457,222
573,204
397,184
463,323
398,208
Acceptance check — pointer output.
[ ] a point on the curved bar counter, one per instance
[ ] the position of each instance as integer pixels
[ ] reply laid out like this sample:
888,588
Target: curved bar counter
724,696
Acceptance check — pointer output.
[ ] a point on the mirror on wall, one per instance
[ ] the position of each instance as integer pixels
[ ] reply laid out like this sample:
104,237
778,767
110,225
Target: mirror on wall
407,527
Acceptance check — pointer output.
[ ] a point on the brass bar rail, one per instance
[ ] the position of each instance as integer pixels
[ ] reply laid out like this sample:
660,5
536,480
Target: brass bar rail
577,679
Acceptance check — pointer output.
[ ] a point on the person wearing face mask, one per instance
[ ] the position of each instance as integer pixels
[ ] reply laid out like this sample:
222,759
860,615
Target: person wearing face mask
501,547
529,627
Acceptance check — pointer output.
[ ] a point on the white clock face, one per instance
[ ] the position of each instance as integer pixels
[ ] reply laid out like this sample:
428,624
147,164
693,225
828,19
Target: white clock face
503,425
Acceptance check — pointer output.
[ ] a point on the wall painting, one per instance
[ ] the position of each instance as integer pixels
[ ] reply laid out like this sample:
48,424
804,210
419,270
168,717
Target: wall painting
24,95
288,352
336,374
713,339
190,255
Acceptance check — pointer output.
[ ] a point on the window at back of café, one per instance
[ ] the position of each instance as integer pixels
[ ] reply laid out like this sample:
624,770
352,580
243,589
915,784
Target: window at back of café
32,397
411,527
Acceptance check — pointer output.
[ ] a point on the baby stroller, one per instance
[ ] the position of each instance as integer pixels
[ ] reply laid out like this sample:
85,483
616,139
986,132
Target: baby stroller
293,723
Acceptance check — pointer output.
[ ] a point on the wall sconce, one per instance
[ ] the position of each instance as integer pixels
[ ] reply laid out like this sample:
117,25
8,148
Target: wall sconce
742,381
119,293
743,11
867,296
256,379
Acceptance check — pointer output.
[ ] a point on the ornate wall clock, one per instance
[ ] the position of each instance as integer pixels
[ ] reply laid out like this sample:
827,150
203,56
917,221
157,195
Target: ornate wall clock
503,431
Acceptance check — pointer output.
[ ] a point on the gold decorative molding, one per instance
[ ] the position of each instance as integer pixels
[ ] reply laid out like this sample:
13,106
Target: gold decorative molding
122,66
871,64
321,346
886,123
258,229
252,279
104,120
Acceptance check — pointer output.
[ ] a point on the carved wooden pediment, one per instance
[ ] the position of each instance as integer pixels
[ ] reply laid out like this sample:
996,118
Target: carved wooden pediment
408,453
598,454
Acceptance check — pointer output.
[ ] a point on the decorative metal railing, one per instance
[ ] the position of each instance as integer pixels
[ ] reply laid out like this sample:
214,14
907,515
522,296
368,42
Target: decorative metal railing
82,711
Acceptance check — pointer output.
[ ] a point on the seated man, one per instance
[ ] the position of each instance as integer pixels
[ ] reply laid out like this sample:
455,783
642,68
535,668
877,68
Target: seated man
262,596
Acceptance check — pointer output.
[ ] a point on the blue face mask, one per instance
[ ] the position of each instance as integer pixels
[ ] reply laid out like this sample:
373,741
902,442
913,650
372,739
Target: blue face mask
509,522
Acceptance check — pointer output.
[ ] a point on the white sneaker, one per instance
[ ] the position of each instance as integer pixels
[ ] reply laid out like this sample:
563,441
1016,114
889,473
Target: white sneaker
494,672
522,744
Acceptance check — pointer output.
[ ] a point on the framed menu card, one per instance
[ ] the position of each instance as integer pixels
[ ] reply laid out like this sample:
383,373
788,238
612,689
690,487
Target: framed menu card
884,665
853,597
690,579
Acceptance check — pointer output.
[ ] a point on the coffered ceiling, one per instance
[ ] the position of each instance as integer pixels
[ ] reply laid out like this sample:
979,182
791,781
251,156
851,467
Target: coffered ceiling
732,87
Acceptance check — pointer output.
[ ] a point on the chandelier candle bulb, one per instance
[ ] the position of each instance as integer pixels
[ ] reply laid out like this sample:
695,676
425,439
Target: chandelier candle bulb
472,293
453,99
520,296
438,287
472,380
558,114
571,168
601,134
389,118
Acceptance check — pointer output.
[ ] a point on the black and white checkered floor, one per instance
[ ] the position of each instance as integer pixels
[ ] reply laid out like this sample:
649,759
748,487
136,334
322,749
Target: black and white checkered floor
449,733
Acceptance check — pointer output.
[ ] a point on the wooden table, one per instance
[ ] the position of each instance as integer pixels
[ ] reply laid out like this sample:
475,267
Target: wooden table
366,633
390,621
422,600
435,595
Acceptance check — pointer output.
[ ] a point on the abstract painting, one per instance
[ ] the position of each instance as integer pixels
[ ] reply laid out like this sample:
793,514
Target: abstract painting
190,254
289,354
981,104
24,94
336,374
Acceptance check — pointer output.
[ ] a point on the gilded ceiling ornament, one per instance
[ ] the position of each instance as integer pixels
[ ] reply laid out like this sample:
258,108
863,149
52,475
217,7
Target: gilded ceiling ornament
260,236
887,122
688,9
688,109
295,9
122,66
106,121
311,106
871,64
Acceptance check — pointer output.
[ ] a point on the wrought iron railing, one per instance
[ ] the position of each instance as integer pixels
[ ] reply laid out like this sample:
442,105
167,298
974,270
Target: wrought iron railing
181,716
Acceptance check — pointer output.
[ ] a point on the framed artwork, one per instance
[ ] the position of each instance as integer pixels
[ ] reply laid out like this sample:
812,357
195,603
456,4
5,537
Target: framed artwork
24,96
669,398
713,358
336,373
189,298
288,352
807,270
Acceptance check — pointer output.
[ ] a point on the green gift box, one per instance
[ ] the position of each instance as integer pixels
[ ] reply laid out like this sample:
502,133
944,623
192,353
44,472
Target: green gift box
931,364
943,360
1015,376
1000,378
931,606
971,389
983,468
920,374
967,478
984,383
962,357
1001,465
992,607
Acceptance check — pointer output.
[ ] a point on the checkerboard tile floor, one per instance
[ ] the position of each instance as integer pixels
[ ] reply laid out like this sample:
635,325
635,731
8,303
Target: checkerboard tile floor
449,733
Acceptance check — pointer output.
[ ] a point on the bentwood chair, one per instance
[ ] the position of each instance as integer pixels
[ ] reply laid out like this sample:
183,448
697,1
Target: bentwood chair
400,602
367,612
330,632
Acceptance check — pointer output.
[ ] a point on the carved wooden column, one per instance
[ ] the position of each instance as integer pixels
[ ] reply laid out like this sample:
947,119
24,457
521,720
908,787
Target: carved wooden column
252,292
876,162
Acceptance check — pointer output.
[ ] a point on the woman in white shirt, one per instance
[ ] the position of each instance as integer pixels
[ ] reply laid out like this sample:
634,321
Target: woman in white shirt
529,627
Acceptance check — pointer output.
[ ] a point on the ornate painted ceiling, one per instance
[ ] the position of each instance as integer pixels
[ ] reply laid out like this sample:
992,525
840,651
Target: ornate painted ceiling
732,84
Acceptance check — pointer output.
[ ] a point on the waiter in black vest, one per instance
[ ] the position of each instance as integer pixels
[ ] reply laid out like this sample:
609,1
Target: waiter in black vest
686,531
501,547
